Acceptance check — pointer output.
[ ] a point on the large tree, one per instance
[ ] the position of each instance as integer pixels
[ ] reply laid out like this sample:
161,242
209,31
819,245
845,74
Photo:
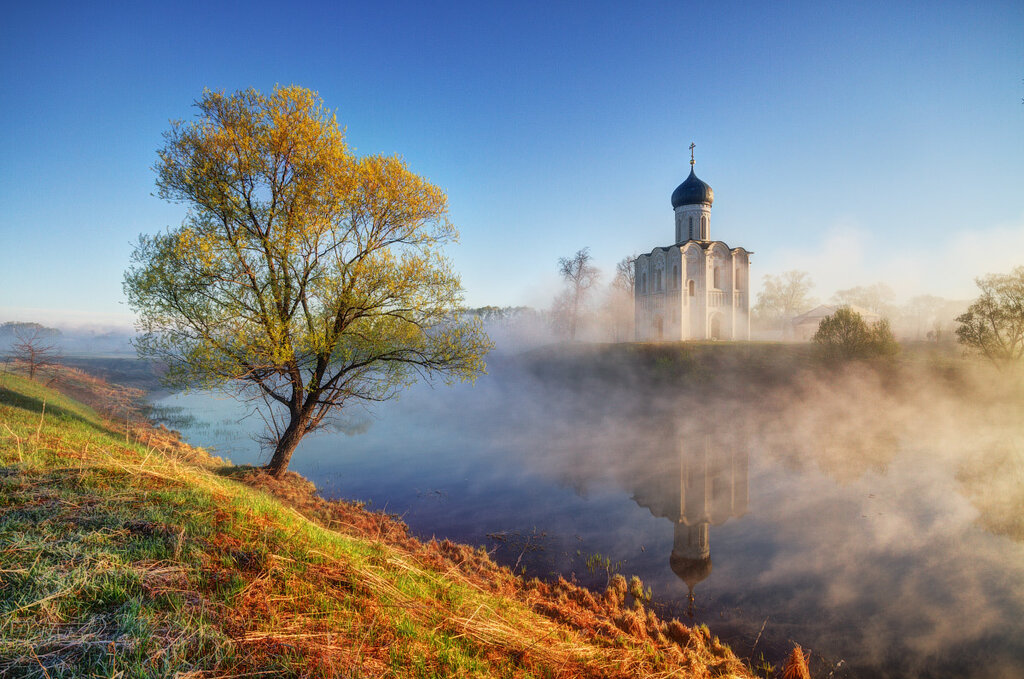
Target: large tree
303,276
782,297
994,323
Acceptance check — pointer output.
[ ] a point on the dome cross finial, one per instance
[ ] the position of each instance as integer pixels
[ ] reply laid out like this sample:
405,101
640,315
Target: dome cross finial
692,145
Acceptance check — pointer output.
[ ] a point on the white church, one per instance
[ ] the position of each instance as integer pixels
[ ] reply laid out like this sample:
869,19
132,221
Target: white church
697,288
702,482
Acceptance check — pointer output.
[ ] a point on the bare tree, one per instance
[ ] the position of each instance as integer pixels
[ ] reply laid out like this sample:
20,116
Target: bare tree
921,313
619,306
35,346
876,297
625,274
579,275
783,297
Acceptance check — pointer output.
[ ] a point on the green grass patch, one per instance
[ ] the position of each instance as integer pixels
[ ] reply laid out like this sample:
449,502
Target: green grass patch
125,553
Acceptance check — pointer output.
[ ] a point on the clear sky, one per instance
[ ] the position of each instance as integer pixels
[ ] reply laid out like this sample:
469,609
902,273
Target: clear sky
859,141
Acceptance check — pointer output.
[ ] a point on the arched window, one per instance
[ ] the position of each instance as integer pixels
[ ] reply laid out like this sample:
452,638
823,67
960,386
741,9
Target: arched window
703,227
718,278
691,229
675,276
691,286
643,286
657,281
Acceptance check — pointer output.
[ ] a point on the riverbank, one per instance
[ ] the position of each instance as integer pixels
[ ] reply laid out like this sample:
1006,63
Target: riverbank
127,552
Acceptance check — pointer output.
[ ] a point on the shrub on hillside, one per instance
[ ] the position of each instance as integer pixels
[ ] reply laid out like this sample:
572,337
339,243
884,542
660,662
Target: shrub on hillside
846,335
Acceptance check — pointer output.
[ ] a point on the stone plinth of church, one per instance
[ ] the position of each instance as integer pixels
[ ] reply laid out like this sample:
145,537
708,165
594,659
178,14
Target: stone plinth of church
696,288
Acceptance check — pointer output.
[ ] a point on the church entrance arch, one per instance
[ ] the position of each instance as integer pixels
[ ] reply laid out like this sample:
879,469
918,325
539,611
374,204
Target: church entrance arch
716,326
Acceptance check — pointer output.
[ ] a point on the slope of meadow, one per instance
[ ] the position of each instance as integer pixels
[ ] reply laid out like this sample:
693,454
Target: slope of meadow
125,552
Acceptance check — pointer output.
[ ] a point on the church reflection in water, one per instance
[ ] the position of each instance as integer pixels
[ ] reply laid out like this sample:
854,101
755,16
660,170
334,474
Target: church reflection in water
700,482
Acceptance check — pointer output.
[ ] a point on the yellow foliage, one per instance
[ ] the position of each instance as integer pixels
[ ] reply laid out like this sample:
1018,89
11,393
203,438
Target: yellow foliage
303,271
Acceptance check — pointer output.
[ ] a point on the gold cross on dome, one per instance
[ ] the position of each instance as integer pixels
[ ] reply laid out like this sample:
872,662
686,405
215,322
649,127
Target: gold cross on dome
692,145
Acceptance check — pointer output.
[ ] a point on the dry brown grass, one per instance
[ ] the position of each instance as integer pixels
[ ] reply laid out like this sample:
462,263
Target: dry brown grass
604,632
796,665
314,588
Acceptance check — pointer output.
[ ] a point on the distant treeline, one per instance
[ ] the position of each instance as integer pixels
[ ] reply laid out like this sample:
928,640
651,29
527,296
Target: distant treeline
491,314
12,329
70,341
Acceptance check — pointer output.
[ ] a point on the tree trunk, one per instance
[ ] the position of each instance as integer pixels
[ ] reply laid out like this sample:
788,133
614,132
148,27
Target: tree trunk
575,312
285,447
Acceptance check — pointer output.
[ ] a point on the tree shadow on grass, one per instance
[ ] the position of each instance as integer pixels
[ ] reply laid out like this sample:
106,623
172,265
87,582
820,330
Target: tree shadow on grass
237,472
35,405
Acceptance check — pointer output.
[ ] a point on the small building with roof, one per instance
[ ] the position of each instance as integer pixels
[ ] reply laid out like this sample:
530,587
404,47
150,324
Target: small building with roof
696,288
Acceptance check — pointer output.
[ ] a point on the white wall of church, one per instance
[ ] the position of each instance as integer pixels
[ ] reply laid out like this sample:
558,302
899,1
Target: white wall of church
692,293
696,288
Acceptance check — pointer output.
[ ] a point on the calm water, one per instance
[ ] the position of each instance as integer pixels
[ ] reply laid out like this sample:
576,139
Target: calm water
840,522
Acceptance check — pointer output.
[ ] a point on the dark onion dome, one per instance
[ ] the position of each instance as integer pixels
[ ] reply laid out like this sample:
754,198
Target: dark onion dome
690,571
692,192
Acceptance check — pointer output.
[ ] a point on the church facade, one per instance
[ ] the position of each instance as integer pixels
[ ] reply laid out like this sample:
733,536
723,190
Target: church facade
703,481
696,288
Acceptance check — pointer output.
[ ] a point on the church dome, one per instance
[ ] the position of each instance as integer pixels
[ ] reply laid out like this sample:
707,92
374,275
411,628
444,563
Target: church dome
690,571
692,192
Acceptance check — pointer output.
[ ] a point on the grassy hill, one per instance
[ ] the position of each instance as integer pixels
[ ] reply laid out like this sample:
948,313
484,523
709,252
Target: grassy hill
127,553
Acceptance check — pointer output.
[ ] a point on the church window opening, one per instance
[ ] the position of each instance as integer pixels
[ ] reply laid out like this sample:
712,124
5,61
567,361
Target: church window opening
703,228
718,278
691,228
691,286
657,281
643,285
675,276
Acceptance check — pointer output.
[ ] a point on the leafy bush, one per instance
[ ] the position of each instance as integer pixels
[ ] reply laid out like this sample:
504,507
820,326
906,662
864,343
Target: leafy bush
846,335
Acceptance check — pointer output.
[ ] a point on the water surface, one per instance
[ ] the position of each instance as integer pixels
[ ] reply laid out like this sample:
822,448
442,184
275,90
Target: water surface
840,520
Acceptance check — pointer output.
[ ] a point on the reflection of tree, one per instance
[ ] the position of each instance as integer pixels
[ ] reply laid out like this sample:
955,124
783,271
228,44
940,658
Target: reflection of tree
993,478
702,481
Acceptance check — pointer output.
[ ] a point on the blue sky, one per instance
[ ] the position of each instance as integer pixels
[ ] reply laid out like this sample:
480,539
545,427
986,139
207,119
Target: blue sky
858,141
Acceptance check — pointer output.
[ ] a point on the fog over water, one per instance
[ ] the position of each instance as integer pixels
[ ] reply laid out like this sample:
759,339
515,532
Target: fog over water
871,515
